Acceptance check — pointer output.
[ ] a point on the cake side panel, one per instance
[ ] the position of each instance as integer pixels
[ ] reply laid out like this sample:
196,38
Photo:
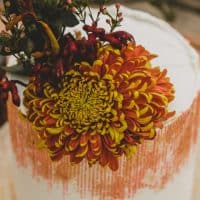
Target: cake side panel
156,163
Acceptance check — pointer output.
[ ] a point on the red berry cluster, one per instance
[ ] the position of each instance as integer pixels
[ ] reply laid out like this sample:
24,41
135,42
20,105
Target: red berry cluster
7,86
74,50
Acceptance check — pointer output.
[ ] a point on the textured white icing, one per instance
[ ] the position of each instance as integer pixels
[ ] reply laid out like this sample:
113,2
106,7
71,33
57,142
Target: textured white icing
182,63
28,188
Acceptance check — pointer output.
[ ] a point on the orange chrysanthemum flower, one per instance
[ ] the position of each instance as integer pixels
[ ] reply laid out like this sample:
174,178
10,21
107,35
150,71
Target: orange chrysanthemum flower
103,111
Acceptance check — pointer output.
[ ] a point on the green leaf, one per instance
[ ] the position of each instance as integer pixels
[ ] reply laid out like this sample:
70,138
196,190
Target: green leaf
68,19
56,17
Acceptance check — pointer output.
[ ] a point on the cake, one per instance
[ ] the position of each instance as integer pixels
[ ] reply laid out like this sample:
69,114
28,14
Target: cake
161,169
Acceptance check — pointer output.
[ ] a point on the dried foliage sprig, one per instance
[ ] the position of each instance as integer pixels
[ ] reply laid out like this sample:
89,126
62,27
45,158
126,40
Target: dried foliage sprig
36,33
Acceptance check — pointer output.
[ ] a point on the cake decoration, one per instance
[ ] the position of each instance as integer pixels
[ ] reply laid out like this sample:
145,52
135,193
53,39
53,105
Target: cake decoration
92,94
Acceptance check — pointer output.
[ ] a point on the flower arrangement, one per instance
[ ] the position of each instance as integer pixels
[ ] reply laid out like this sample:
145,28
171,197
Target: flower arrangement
93,96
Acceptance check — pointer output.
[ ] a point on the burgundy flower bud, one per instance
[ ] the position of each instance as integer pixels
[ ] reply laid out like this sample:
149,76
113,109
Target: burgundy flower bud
91,38
118,5
108,21
16,99
119,14
59,67
14,93
119,38
88,28
113,41
69,45
123,36
72,47
98,32
5,86
103,10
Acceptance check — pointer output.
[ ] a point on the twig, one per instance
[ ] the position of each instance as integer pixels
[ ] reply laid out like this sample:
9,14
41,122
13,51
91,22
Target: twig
20,83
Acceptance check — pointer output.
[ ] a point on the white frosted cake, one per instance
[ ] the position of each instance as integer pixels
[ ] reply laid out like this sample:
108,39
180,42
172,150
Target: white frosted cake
162,169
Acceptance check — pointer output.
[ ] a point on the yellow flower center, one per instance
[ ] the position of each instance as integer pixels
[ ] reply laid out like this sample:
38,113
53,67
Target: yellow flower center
86,101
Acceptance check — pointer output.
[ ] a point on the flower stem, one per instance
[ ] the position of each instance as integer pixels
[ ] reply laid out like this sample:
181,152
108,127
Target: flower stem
20,83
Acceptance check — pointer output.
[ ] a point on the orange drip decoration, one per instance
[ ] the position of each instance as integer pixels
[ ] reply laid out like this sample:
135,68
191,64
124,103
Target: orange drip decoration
153,166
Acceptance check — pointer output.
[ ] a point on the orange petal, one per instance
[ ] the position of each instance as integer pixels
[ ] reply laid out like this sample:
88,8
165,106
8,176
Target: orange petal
74,159
103,161
113,162
81,151
49,121
73,144
84,140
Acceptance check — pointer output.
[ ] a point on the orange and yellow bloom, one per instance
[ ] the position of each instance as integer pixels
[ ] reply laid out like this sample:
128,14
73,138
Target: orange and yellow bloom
101,111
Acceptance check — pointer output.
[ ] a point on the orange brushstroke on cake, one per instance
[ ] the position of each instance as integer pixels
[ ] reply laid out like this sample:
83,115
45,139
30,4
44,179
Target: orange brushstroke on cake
153,166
